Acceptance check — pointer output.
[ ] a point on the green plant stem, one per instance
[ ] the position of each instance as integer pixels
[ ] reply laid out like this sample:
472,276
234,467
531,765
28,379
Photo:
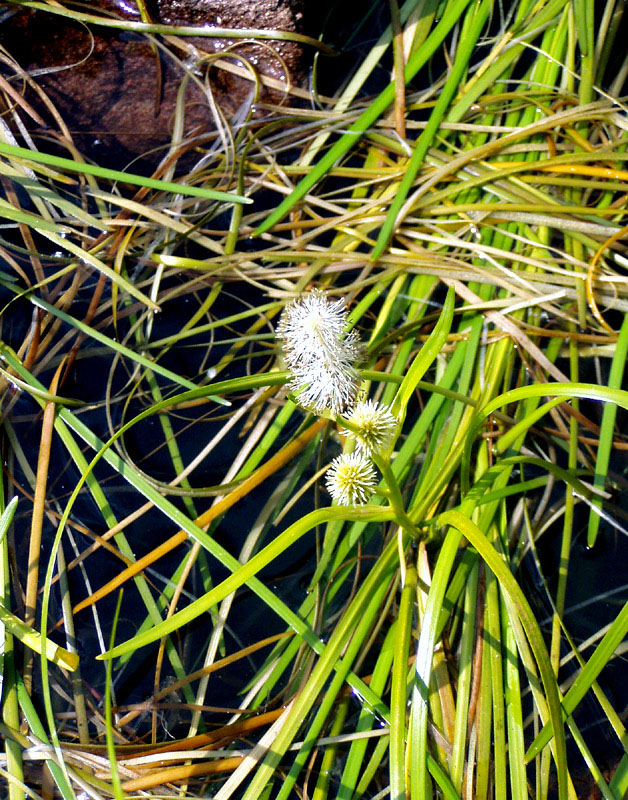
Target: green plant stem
394,496
399,687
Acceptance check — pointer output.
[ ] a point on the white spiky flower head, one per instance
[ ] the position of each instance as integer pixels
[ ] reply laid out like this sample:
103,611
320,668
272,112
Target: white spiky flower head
326,387
319,352
351,479
373,427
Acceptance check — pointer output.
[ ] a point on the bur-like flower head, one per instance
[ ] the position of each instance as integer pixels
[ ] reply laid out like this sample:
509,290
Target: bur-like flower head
326,387
319,352
312,324
351,479
375,427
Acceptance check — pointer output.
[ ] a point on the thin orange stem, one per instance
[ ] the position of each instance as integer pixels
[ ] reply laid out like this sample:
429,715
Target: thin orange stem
259,476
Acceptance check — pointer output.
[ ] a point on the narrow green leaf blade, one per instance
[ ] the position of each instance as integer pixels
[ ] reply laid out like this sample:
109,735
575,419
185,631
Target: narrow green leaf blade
34,640
115,175
425,357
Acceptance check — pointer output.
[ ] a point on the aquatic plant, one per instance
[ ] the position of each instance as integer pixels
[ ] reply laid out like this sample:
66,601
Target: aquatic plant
351,479
319,353
182,374
372,426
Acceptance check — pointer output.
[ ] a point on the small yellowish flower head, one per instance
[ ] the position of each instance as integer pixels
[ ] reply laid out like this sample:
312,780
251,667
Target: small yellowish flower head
374,427
319,353
351,479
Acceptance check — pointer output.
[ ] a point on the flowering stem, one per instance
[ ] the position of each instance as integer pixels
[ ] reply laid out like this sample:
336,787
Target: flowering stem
348,424
394,496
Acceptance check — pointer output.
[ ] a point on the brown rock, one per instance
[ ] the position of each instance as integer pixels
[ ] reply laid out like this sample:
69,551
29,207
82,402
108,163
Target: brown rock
117,93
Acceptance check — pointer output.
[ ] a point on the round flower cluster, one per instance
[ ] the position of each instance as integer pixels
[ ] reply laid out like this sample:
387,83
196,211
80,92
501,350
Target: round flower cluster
373,427
320,354
351,479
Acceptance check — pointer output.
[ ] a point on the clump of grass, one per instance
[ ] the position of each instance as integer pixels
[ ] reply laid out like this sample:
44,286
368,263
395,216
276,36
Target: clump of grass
471,217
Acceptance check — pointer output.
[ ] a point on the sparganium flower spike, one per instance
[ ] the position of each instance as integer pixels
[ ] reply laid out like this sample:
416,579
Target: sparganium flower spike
326,387
375,426
351,479
320,353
